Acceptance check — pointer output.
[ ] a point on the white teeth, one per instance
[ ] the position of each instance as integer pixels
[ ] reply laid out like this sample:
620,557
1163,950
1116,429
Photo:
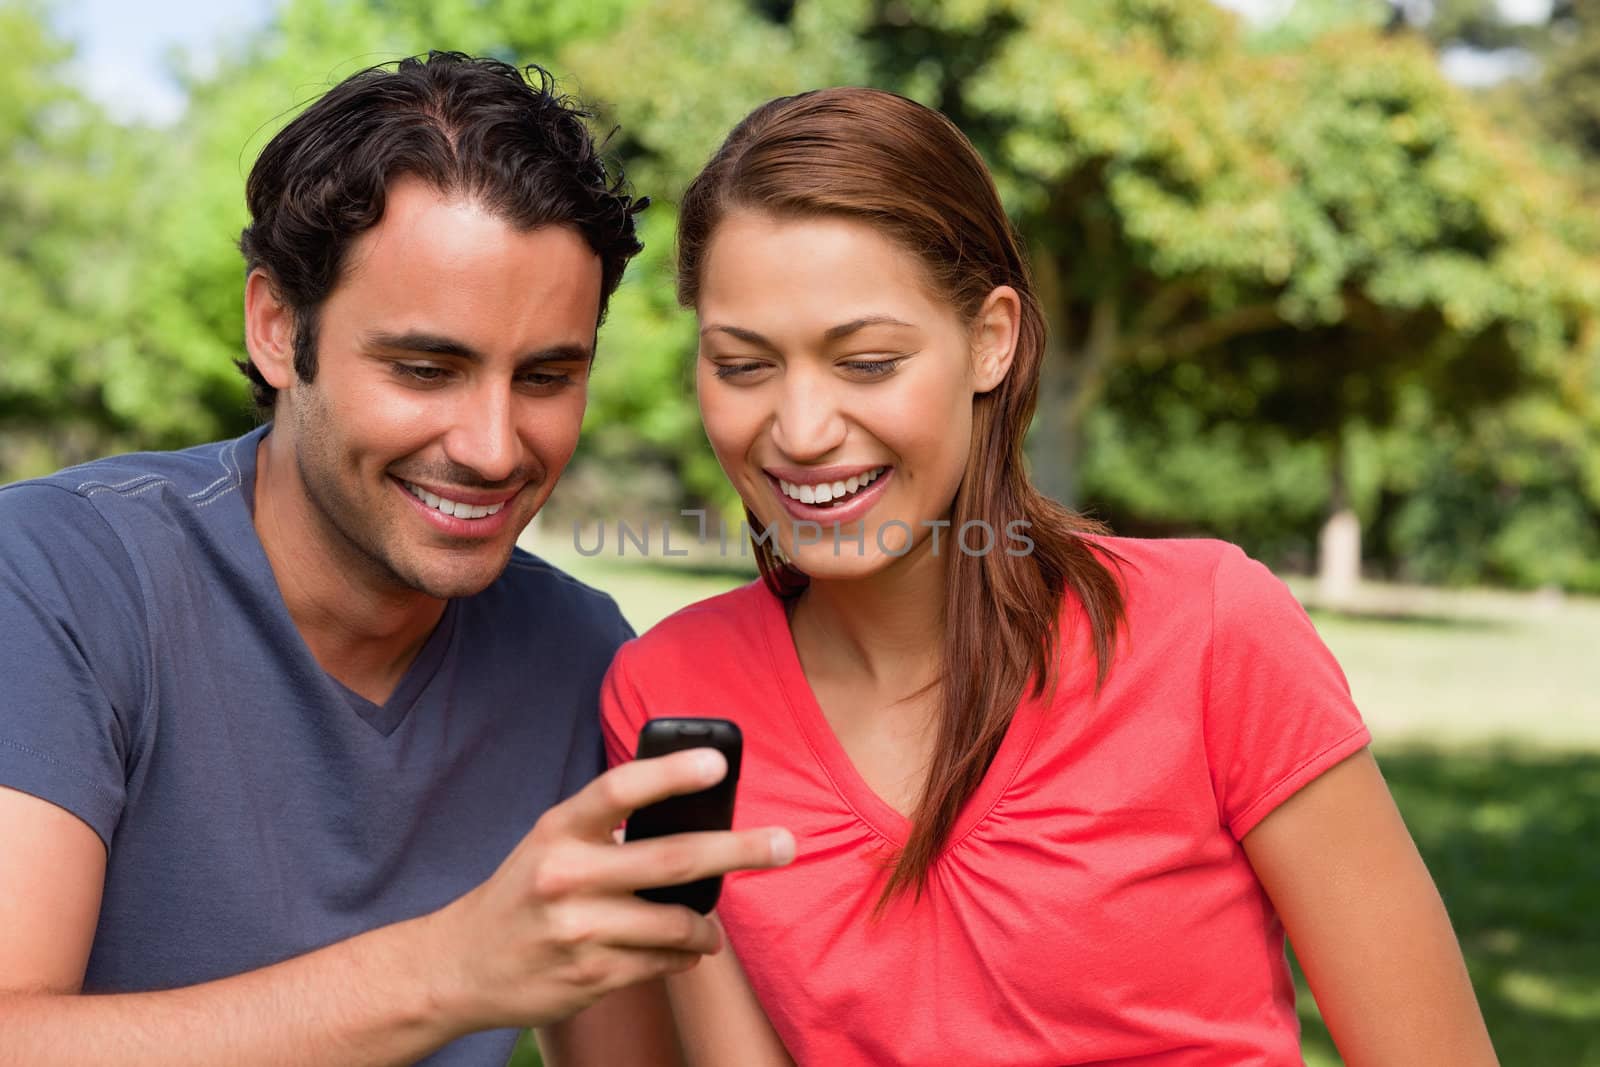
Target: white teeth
452,507
825,492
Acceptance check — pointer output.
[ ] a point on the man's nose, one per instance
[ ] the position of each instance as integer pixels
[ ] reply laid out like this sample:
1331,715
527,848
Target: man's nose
484,438
808,423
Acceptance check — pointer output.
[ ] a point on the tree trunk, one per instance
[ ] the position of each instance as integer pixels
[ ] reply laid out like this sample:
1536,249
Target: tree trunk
1057,433
1069,381
1339,547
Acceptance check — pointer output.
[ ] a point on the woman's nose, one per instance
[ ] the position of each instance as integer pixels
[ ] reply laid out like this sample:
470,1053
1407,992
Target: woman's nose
808,424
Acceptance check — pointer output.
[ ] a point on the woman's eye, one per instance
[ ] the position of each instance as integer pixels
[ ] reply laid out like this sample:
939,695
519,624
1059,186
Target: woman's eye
735,370
872,367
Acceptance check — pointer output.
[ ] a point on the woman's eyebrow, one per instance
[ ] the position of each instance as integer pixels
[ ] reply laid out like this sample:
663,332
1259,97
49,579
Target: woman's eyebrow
741,333
833,333
845,329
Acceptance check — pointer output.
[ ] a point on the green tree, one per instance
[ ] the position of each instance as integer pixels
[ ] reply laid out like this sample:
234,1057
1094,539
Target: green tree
1510,497
1321,224
64,179
118,246
1278,261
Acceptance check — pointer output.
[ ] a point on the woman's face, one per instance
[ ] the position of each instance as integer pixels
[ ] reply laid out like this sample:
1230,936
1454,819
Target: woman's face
836,387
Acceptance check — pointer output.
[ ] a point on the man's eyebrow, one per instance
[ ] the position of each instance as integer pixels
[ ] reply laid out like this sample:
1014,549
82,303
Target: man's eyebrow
566,353
833,333
438,345
419,341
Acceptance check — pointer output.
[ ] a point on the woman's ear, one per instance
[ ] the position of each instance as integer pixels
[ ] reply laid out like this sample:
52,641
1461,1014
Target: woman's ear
268,330
994,338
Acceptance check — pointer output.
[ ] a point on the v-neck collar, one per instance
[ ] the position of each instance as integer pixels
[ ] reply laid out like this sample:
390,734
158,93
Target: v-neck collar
385,717
392,712
871,808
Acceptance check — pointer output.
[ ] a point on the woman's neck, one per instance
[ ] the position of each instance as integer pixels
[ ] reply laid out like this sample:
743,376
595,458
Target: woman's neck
887,628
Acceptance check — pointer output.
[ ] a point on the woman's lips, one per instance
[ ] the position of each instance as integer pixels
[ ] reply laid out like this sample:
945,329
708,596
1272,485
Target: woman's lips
848,510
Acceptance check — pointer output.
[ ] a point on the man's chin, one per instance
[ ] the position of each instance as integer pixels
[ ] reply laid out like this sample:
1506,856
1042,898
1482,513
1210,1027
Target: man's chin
453,582
451,590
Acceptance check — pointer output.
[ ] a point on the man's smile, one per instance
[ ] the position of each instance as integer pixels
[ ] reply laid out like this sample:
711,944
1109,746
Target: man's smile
460,512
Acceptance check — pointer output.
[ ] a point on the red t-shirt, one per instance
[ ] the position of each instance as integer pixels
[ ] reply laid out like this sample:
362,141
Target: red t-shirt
1093,904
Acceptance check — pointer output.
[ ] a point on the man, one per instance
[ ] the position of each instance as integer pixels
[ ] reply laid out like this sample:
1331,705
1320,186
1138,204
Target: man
280,712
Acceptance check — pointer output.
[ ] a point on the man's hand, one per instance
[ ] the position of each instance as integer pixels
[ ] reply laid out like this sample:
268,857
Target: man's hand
558,925
550,932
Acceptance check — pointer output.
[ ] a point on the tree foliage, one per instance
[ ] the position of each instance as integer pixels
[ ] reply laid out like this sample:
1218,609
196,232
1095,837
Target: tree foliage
1248,245
63,272
1277,260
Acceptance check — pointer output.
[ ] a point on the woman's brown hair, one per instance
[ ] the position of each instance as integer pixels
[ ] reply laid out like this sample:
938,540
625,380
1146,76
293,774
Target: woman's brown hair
907,171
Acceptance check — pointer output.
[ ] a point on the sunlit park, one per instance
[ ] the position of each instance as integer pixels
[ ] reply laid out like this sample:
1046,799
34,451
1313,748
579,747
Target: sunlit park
1322,278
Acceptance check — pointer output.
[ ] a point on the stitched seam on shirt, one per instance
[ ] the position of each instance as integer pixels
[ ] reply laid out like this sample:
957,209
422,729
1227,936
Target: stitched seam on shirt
1265,794
231,476
46,758
145,488
220,496
119,486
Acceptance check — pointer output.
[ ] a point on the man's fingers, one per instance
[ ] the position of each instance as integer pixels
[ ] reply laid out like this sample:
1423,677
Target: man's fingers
626,922
594,810
641,965
682,858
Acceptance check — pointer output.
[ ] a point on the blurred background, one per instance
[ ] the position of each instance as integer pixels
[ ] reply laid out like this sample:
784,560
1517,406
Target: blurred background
1323,278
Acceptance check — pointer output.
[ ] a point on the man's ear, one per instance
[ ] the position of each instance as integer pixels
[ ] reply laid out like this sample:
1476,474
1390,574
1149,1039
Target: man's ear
994,338
268,330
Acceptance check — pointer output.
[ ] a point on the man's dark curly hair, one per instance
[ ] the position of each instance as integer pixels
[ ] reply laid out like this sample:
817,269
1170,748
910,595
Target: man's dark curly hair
473,127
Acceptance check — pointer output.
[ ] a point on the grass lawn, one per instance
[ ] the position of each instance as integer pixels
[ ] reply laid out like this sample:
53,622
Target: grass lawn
1485,710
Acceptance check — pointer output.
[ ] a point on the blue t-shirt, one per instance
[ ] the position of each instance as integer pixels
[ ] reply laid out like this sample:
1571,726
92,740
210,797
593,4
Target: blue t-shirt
253,808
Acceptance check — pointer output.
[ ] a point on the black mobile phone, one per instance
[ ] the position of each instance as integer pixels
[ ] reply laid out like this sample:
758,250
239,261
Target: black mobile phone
708,809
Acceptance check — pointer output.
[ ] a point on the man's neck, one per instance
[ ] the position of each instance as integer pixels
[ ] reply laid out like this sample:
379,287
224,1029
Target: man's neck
363,630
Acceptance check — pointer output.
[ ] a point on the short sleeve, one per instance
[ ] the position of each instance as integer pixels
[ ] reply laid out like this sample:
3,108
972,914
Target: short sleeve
622,713
74,655
1278,708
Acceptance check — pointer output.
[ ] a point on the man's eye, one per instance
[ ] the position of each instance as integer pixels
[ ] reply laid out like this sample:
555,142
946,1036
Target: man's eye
548,379
419,372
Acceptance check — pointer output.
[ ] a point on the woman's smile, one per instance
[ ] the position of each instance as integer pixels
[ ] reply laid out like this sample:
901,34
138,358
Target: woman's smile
829,495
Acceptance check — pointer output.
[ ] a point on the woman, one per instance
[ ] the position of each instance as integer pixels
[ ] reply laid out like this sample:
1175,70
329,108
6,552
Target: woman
1057,795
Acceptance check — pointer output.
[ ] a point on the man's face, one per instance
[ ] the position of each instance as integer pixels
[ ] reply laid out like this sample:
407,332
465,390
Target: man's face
452,372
